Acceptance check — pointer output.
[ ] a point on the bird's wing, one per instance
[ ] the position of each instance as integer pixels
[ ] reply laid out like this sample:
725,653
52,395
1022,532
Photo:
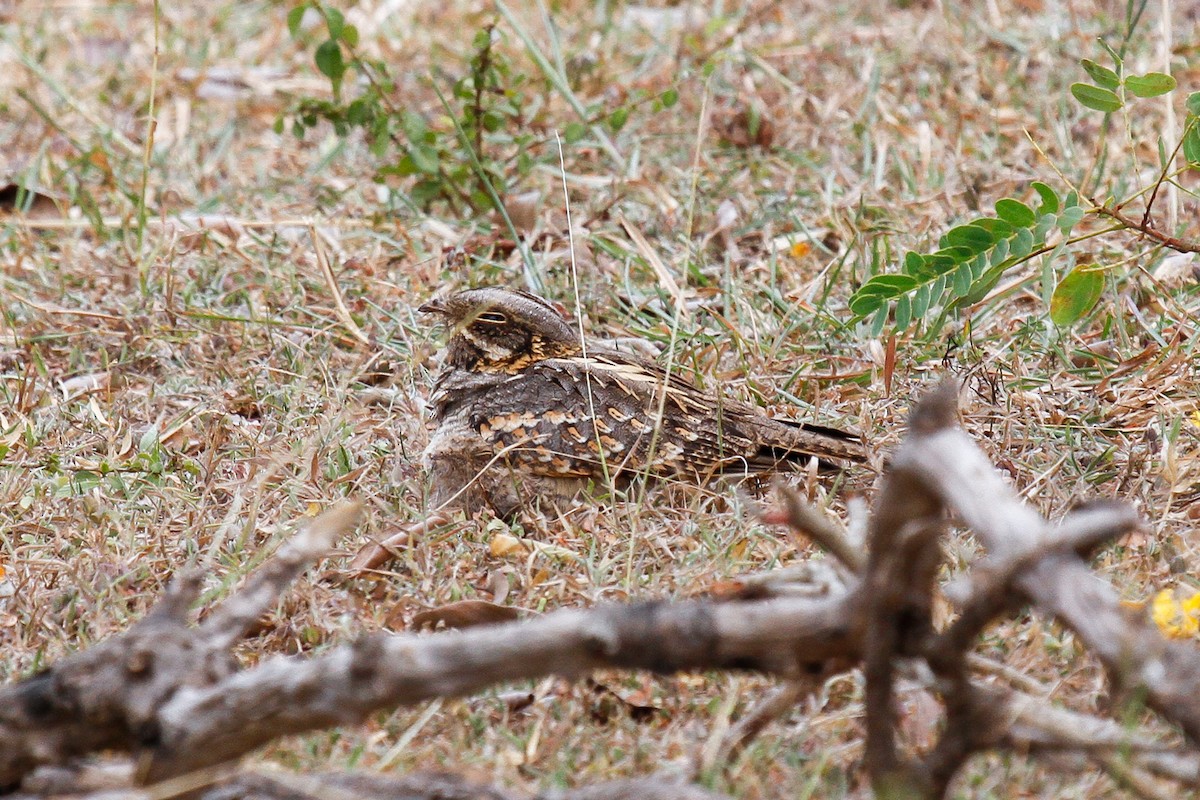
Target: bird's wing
598,416
593,417
704,432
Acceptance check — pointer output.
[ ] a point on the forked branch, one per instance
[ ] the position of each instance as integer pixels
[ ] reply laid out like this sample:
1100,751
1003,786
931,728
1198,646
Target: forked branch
170,696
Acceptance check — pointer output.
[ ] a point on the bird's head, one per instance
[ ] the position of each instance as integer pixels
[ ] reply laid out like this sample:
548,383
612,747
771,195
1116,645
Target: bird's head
498,330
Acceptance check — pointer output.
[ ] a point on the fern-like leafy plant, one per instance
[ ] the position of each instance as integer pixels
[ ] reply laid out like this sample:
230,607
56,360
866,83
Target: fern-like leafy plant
973,257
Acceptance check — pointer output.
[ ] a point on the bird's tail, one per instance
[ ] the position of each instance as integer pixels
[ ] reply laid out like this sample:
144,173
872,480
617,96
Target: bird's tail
800,441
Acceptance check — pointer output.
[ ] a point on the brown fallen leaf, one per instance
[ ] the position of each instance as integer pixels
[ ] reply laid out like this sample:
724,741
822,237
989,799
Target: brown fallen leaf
464,614
504,545
81,385
375,554
30,204
745,126
639,704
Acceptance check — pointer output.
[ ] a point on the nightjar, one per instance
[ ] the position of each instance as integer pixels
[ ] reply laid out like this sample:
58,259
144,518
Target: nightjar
524,412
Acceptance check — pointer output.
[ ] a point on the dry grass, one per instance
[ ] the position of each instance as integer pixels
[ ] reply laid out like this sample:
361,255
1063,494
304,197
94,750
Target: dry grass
227,398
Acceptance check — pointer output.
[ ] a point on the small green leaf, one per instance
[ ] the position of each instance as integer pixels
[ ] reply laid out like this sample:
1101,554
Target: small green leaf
425,192
404,167
903,312
879,321
1101,75
492,121
618,118
329,60
350,36
962,280
864,305
1070,218
1022,243
1116,57
294,17
920,301
1076,294
669,98
971,237
914,264
998,228
1193,104
335,22
999,252
957,255
981,287
940,263
978,264
895,284
1044,224
357,111
414,126
424,158
1049,198
1096,98
1014,212
937,290
574,132
1152,84
148,440
1191,146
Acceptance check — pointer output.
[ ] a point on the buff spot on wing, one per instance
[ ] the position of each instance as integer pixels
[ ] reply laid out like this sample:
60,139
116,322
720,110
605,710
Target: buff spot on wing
611,445
688,434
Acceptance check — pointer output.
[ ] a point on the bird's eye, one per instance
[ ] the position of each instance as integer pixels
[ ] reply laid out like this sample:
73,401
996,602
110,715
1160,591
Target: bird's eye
492,317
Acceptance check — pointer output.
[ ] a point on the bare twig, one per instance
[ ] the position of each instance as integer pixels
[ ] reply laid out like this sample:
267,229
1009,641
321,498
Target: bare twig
803,519
1145,227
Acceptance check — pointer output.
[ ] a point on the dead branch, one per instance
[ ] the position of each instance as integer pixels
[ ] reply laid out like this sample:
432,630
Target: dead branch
202,726
1136,655
110,697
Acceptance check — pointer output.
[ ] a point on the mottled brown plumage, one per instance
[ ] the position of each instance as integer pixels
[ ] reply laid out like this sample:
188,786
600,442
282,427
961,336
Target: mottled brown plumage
522,414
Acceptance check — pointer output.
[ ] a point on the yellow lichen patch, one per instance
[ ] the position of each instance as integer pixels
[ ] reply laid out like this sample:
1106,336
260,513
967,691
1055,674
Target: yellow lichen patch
1177,619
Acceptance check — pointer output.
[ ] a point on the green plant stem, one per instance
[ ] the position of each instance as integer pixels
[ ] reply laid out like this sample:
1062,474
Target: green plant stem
1162,176
560,83
151,126
532,279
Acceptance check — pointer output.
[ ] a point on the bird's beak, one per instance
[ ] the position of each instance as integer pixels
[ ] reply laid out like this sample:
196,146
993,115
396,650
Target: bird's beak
433,306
